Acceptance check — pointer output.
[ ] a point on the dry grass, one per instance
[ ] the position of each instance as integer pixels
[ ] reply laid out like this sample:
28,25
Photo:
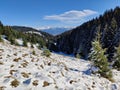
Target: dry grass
12,66
23,55
111,79
45,83
49,63
15,54
17,59
8,77
2,50
1,63
35,83
41,66
25,75
24,64
71,81
12,71
15,83
2,87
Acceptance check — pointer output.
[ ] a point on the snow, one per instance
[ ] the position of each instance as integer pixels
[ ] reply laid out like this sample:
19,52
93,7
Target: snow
4,39
34,32
61,72
19,41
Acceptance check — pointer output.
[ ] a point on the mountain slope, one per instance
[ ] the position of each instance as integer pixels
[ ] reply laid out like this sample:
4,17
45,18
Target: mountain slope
79,39
56,31
33,37
29,29
22,70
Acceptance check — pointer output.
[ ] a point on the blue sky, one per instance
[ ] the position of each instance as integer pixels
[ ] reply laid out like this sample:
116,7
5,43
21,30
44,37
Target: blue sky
53,13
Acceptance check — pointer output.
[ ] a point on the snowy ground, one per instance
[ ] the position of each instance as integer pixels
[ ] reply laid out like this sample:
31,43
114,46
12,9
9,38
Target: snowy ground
59,72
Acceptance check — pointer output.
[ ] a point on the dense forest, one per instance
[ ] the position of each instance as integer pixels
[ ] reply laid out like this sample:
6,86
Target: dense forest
79,40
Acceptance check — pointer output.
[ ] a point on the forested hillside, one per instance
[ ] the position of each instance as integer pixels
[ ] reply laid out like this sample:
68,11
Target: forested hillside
78,40
11,34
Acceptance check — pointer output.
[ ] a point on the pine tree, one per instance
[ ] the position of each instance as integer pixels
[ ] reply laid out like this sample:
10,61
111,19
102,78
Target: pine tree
99,59
117,58
33,52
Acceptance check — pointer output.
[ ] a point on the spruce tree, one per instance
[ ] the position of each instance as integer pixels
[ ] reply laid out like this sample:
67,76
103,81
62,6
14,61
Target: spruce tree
116,58
99,59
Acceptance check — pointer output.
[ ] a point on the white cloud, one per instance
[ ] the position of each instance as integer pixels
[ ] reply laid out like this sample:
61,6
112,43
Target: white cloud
71,16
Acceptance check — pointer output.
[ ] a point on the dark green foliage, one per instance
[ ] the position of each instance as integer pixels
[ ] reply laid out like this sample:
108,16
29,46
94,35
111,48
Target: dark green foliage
24,43
116,57
99,59
27,29
46,52
0,39
15,83
11,39
34,39
12,35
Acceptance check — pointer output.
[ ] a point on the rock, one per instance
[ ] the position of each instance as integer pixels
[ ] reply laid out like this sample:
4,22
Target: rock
45,83
71,81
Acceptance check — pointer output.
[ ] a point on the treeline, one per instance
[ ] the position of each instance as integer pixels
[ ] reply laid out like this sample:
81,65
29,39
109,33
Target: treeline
11,35
109,26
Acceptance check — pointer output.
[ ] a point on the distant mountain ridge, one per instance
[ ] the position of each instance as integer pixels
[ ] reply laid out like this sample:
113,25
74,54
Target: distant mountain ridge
56,30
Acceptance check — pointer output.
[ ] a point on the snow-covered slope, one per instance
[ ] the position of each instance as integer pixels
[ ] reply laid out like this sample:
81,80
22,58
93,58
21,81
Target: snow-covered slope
34,32
18,66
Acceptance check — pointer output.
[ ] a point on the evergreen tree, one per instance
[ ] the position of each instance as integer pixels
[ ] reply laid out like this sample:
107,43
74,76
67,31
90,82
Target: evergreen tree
11,39
99,59
24,43
113,24
46,52
33,52
0,39
78,56
116,58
